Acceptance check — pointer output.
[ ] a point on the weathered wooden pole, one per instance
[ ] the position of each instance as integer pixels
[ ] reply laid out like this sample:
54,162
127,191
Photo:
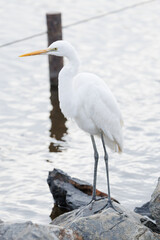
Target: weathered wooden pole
54,33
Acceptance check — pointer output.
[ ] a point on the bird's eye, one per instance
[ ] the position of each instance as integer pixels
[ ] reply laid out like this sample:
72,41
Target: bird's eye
54,49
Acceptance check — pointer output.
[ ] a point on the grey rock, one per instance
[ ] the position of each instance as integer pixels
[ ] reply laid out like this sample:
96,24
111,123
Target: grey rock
144,210
150,224
154,205
70,193
106,224
64,193
30,231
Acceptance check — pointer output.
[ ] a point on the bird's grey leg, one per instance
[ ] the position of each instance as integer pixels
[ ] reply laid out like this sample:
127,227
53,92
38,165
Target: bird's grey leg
96,156
107,169
109,202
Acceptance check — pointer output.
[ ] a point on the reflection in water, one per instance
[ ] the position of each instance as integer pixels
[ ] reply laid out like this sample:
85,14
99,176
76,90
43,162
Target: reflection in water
57,211
58,128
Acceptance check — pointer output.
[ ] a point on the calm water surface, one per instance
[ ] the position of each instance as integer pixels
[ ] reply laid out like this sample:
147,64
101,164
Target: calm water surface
121,48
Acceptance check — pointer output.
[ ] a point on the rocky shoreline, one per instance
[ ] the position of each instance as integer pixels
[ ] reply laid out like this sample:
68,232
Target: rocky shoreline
81,222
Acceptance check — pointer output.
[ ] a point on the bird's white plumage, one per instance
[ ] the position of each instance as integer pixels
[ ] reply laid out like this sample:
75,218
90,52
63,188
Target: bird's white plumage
97,110
86,98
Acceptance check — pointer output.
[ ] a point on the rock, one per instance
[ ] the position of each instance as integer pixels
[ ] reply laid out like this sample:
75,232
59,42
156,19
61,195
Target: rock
30,231
154,205
150,225
107,224
89,222
81,224
144,210
56,211
70,193
151,210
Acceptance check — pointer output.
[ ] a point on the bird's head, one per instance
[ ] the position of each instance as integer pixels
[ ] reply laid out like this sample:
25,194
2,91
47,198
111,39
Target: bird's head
59,48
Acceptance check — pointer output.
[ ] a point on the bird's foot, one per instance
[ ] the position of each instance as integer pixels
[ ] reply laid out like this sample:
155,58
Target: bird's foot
110,205
89,206
94,207
92,202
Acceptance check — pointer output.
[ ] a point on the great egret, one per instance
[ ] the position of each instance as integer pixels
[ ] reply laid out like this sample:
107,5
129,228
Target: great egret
86,98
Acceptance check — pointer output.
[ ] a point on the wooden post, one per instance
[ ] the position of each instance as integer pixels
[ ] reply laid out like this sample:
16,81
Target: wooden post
54,34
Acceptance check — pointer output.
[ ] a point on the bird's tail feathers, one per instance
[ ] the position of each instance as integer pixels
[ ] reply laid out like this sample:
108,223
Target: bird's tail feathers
114,145
120,150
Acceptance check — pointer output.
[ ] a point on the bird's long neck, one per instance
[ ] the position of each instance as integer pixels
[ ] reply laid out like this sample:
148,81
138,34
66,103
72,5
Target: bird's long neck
65,86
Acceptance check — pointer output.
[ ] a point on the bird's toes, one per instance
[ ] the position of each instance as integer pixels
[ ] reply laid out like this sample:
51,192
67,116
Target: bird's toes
108,205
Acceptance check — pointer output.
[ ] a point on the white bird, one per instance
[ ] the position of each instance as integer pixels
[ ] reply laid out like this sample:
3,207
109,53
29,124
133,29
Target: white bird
87,99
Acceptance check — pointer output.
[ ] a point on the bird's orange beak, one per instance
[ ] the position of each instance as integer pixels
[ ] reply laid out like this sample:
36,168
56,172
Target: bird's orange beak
34,53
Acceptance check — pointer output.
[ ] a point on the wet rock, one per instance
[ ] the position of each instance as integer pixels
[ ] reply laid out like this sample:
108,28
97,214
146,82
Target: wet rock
106,224
70,193
89,222
30,231
144,210
151,210
150,225
154,205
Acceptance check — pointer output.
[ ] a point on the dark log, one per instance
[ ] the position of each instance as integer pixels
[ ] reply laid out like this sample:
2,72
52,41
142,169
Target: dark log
54,33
